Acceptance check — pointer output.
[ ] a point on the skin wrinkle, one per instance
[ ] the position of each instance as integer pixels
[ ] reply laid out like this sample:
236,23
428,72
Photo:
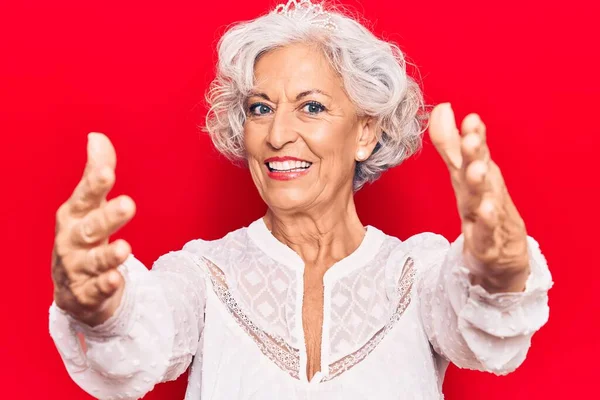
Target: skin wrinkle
372,73
328,175
315,214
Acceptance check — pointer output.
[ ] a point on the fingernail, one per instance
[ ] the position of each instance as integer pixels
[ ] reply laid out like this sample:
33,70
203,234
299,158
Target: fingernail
91,147
447,110
113,278
472,141
121,251
124,204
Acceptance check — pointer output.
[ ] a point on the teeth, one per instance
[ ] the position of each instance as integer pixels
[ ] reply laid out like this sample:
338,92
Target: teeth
288,165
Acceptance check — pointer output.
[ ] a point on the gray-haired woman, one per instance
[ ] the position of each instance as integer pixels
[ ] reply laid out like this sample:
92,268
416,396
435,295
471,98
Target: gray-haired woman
306,302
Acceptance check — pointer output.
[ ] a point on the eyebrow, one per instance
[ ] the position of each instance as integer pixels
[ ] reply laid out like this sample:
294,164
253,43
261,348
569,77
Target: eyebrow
311,91
298,97
259,94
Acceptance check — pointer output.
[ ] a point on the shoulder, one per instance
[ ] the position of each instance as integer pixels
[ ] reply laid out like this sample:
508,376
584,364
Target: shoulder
197,252
420,251
426,250
220,249
424,244
425,240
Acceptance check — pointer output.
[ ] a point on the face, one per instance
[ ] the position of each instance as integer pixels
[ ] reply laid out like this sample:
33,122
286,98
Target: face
302,133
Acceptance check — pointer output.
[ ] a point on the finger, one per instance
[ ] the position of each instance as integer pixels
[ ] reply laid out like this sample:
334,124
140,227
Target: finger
445,135
472,123
476,174
98,176
472,148
102,222
475,168
98,289
473,144
100,151
475,185
482,233
100,259
482,180
488,216
91,191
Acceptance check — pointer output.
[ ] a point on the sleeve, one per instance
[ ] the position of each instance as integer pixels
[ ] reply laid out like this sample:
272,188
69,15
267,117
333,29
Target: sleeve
151,338
465,324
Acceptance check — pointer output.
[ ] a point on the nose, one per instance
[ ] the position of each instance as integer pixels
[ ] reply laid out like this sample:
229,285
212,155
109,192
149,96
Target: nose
281,131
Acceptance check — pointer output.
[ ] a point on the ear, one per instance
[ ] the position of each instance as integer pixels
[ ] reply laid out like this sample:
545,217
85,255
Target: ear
366,140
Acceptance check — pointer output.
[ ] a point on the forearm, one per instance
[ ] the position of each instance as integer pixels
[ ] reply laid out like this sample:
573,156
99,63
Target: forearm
477,329
134,349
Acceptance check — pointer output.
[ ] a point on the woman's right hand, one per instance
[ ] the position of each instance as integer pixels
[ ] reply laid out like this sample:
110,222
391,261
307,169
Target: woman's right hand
87,284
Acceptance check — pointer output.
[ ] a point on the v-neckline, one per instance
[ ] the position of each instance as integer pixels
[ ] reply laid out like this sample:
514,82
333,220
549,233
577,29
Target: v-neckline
280,252
366,251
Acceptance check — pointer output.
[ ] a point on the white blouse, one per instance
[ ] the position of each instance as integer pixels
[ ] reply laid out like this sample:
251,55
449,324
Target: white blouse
395,314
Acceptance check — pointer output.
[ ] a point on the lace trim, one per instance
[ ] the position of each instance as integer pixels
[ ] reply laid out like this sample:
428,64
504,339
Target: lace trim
286,357
274,347
404,290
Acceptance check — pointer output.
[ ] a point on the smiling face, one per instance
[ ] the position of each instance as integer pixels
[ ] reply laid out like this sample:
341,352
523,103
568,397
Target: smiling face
302,132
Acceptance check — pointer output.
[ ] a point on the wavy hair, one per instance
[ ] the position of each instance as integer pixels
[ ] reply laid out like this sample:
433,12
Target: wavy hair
373,72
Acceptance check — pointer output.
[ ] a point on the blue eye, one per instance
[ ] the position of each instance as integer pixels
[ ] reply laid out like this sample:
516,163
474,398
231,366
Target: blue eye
259,109
313,107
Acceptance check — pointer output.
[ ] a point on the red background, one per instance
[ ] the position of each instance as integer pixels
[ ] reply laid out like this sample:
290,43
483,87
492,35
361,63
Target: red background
138,71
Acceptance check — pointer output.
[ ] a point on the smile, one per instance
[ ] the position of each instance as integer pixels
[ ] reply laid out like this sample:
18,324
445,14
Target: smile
286,168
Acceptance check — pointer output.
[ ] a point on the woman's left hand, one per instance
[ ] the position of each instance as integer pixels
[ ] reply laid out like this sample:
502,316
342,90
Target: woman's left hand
495,239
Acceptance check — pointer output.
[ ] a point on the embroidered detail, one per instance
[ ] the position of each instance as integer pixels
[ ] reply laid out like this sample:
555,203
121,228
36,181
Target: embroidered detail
274,347
286,357
404,294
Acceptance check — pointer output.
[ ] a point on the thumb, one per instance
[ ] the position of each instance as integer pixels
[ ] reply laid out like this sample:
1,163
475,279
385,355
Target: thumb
445,136
100,152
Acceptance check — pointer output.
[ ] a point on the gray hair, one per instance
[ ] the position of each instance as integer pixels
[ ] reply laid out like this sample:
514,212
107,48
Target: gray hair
373,72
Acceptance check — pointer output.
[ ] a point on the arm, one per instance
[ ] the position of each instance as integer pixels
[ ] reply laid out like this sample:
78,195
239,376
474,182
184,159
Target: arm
467,325
484,296
151,338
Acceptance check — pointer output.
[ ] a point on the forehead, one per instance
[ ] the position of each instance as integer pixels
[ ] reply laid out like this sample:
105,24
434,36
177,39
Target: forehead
296,67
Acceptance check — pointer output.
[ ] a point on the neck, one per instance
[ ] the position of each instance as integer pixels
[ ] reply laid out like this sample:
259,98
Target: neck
320,237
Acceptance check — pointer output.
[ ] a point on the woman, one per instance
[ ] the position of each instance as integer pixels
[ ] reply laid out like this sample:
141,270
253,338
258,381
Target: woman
305,302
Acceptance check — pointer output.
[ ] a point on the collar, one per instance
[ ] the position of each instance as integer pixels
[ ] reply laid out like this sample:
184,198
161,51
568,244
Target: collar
283,254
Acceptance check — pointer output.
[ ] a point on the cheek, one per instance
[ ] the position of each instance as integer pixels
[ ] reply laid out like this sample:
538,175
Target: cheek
334,144
252,146
252,143
250,140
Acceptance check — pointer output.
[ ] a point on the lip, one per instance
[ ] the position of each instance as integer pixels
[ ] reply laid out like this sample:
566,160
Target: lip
286,158
285,176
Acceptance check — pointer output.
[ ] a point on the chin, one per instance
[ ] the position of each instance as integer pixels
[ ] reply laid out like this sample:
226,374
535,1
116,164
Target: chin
287,198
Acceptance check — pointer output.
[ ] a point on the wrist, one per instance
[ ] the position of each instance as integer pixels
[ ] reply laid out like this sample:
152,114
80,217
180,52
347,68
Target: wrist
513,281
92,317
